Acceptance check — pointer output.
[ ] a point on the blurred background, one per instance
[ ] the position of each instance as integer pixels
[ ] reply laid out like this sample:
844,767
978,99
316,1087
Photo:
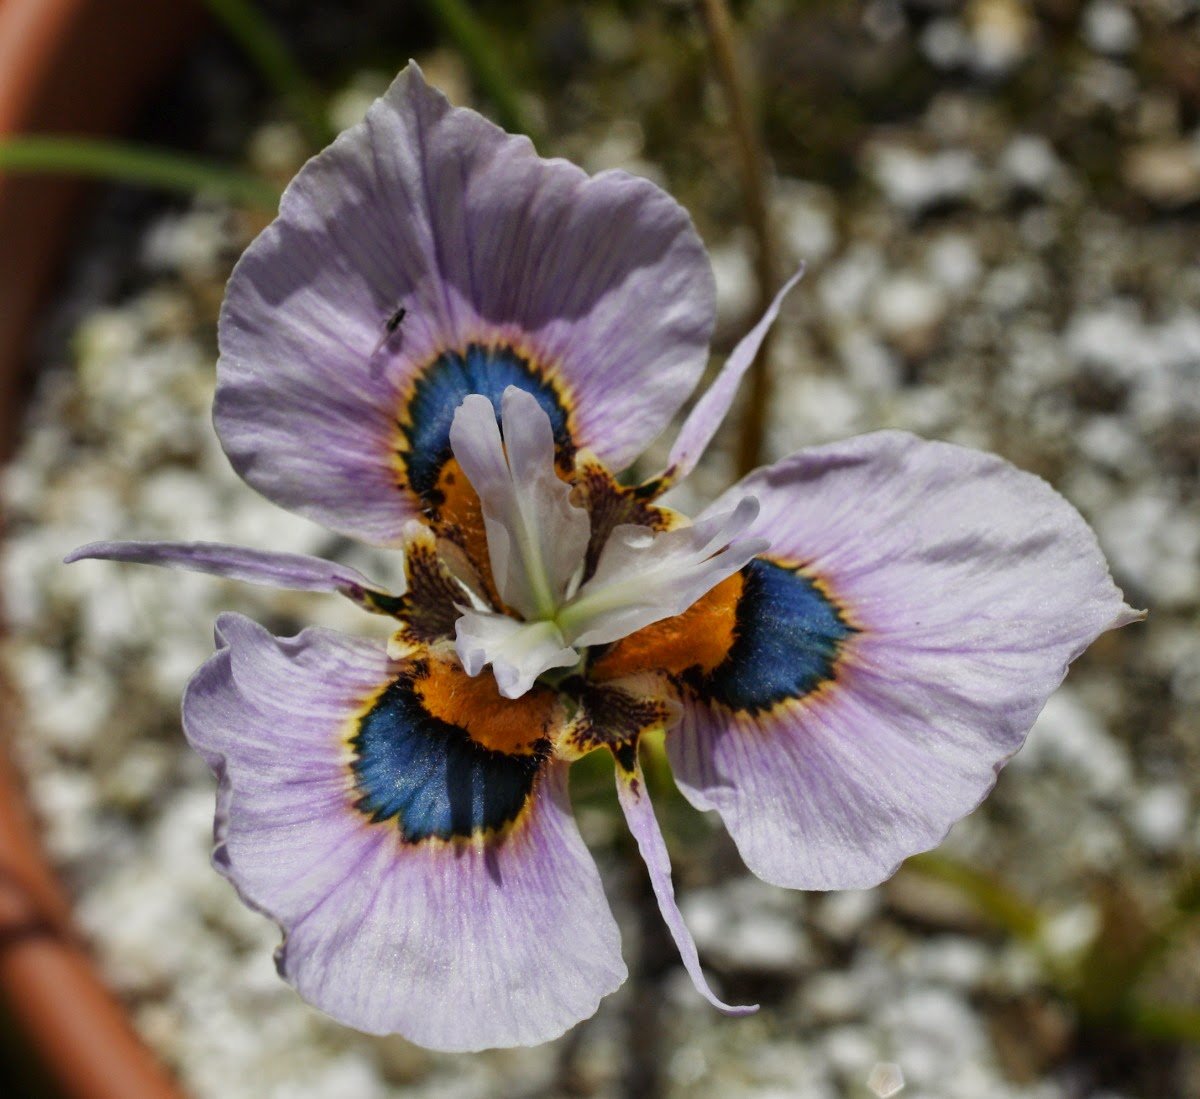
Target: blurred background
999,204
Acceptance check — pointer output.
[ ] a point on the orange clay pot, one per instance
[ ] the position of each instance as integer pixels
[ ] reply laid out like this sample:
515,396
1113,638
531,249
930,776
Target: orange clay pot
66,67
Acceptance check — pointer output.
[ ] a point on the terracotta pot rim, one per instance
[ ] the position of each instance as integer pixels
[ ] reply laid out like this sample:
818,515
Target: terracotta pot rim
66,66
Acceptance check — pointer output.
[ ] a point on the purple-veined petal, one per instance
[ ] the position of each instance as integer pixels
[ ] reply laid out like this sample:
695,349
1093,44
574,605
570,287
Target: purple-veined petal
702,422
594,291
536,537
645,576
517,651
639,815
871,697
488,940
296,571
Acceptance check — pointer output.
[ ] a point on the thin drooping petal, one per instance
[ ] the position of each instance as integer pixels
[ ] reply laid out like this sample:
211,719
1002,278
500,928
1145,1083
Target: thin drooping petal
517,651
296,571
592,293
920,604
639,815
702,422
413,840
643,576
536,537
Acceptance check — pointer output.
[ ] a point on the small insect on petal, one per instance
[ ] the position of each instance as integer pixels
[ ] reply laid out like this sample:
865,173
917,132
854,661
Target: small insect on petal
390,328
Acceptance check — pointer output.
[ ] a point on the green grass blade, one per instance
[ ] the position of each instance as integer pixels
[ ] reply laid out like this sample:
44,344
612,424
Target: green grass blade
270,55
478,48
127,163
986,893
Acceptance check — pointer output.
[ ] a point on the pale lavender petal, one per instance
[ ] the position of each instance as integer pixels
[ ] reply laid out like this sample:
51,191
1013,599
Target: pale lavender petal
639,815
517,651
455,945
296,571
536,537
600,285
645,576
702,422
951,593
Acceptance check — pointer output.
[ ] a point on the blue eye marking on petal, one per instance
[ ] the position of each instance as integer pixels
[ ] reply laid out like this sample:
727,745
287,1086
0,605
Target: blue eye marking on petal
430,776
441,387
787,637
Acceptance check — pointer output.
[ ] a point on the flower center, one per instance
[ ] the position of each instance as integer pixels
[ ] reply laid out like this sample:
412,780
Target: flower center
537,545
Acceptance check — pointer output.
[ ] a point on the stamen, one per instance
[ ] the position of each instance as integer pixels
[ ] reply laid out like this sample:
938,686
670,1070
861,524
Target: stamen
538,540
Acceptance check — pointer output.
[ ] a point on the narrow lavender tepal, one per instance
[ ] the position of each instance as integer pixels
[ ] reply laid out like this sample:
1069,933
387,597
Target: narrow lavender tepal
297,571
447,344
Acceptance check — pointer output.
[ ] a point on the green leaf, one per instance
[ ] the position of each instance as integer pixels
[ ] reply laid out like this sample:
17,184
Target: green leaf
992,897
136,164
478,48
267,50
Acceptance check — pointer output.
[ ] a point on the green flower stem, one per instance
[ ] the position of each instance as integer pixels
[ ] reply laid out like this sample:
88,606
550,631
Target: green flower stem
270,55
657,767
478,48
752,167
136,164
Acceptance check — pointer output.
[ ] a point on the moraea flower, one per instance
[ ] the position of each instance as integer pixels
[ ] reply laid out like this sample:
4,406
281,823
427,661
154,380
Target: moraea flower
449,345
